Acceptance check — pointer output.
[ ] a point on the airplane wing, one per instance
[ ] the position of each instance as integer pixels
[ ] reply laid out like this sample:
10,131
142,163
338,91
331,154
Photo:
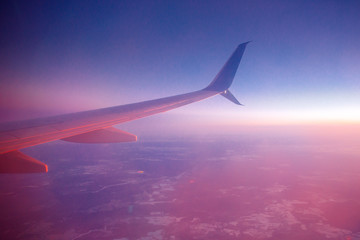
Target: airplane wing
95,126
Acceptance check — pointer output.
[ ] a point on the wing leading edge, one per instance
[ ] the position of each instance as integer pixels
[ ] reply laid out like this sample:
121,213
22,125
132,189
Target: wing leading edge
95,126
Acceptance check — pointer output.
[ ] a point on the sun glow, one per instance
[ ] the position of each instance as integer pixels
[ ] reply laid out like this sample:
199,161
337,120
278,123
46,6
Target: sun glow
304,116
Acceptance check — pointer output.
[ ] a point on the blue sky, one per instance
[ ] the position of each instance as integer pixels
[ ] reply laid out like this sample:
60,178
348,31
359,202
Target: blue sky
65,56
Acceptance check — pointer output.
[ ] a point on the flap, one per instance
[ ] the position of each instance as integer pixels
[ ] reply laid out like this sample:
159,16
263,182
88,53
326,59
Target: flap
17,162
106,135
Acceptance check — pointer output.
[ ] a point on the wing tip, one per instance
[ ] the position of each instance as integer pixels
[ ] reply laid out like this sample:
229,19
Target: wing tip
225,77
245,43
228,95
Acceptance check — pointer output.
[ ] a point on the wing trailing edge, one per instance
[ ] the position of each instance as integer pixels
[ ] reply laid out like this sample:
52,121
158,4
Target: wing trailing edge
107,135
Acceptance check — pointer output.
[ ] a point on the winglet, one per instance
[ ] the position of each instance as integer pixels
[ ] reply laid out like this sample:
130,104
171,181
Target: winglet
225,77
231,97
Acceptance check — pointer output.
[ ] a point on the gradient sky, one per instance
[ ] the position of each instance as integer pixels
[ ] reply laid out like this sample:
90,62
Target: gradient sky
66,56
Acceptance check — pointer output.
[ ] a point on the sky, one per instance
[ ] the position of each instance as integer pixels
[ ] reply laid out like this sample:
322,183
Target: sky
299,76
302,66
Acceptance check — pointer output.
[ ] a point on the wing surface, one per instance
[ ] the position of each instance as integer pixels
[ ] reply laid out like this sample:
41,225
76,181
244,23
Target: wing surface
107,135
94,126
